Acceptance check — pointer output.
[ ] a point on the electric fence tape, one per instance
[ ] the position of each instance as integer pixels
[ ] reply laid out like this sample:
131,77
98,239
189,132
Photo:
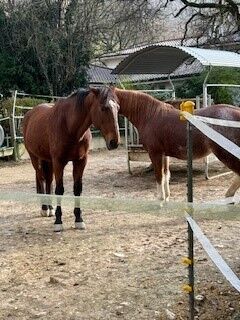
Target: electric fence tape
214,255
219,122
213,135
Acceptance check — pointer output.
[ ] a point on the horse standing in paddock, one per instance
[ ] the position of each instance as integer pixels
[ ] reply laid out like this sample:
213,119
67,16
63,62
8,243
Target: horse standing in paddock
55,135
163,134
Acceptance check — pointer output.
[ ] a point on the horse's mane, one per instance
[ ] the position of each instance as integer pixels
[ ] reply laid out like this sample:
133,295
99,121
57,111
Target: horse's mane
149,101
80,95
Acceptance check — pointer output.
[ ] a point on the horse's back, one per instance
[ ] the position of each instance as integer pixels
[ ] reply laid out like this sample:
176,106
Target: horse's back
224,112
220,111
38,112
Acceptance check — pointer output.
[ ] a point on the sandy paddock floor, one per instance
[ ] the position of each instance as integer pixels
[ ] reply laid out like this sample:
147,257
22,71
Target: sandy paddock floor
125,265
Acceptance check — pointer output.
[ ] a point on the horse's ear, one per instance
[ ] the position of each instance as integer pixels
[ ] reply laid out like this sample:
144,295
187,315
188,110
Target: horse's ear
96,91
111,86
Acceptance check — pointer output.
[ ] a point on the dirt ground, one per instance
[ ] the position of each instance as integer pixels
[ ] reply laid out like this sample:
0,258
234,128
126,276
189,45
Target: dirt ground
125,265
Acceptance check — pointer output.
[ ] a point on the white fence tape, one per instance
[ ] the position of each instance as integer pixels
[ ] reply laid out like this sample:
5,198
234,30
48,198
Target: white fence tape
219,122
121,203
214,255
213,135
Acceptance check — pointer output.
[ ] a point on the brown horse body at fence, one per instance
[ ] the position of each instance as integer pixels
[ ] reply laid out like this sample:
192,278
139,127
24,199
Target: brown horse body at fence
55,135
163,134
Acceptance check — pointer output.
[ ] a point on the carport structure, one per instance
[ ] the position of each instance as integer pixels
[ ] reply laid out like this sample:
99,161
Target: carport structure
165,60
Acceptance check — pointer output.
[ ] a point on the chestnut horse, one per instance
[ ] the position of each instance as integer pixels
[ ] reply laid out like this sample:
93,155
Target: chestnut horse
163,134
55,135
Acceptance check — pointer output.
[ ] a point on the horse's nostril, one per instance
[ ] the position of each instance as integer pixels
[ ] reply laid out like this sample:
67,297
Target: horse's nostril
113,144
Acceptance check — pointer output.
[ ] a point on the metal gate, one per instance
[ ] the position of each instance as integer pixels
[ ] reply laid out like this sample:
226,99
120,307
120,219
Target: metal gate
16,117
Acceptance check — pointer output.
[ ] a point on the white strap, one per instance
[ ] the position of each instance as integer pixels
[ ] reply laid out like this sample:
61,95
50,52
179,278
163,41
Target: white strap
214,255
214,135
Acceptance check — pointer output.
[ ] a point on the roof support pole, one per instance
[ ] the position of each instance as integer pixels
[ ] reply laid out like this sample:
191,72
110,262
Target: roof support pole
205,94
173,88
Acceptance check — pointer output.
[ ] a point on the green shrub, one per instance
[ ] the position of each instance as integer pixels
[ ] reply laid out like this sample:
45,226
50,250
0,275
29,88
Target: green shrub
7,105
194,86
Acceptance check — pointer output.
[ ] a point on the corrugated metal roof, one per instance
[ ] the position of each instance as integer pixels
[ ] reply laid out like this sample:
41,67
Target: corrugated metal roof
173,42
101,75
166,59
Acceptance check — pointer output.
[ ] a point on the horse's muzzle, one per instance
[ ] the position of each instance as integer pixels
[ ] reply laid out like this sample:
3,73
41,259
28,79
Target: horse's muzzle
113,144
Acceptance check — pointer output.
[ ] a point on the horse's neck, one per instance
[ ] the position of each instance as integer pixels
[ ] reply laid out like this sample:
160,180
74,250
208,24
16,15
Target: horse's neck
77,119
132,107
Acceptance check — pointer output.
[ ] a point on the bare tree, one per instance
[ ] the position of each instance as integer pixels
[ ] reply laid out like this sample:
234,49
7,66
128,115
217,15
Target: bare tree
122,24
210,18
65,34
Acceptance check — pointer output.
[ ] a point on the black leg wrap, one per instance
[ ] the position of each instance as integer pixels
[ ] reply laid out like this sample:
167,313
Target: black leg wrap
58,214
44,207
78,215
59,189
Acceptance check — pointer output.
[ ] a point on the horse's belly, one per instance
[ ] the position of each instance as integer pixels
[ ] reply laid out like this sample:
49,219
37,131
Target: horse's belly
179,150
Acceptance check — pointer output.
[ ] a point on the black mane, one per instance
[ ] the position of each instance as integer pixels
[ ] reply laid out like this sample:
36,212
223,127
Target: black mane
80,95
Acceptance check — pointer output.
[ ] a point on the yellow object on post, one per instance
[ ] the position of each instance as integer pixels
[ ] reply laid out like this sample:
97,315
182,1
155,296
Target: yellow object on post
187,106
187,288
186,261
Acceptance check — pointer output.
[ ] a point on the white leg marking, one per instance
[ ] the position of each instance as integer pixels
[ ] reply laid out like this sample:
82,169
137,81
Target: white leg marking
166,185
44,213
234,187
50,212
161,192
58,227
80,225
47,213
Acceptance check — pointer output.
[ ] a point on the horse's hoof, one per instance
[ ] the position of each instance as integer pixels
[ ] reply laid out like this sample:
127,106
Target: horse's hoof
80,225
58,227
163,203
44,213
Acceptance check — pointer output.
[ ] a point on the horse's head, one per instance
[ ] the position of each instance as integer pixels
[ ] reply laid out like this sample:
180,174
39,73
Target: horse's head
104,114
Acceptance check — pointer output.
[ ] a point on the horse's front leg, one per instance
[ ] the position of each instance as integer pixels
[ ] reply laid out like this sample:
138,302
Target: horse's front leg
78,168
167,175
58,168
162,174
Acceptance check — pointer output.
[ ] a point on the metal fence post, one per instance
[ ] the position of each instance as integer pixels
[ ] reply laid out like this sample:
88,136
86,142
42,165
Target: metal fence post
188,106
190,232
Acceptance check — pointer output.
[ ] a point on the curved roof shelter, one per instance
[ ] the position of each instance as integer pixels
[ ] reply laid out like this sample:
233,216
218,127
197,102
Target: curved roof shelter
166,59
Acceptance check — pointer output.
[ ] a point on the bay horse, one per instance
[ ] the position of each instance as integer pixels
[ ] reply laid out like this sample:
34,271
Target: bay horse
163,134
55,135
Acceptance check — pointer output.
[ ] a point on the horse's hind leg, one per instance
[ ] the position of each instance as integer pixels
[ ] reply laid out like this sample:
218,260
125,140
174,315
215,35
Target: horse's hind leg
167,176
41,190
48,176
39,181
78,168
234,187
